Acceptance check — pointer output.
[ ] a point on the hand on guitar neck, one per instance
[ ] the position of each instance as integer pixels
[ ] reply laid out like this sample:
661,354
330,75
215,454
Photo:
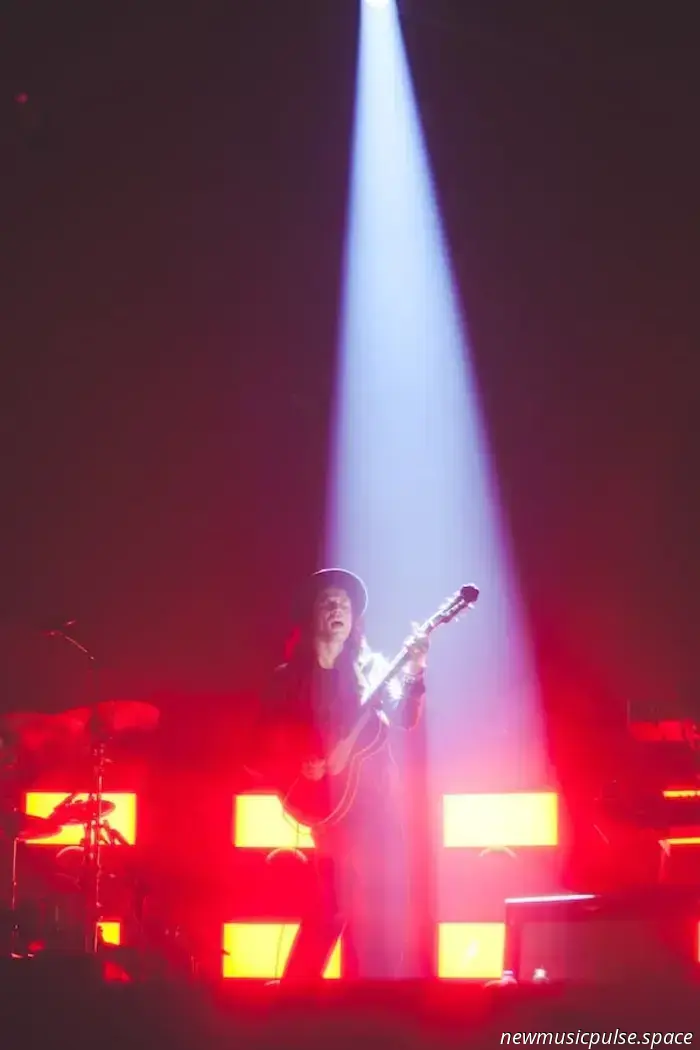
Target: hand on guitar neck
417,646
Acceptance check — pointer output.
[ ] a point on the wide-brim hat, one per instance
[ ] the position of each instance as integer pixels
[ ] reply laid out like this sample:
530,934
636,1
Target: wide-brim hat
325,578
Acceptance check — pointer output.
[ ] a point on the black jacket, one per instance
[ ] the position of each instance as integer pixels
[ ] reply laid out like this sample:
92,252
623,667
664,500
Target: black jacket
305,710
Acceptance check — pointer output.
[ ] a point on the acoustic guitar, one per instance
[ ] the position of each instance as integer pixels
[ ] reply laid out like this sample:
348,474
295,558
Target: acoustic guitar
328,800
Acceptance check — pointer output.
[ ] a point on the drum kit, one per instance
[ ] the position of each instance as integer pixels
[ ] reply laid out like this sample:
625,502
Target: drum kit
85,734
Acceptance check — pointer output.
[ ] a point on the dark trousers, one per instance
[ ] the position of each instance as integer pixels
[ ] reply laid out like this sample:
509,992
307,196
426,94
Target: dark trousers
360,893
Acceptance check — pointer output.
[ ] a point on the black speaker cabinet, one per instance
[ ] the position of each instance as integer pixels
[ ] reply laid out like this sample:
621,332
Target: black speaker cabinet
606,938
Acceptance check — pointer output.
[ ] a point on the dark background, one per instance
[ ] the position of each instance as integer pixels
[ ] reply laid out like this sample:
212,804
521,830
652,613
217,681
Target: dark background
172,210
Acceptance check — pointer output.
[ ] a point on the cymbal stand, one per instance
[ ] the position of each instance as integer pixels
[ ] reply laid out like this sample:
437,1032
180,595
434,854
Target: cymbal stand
93,829
14,930
92,846
13,894
8,761
113,836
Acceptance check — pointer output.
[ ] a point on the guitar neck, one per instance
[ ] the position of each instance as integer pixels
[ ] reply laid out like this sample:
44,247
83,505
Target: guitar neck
464,600
372,698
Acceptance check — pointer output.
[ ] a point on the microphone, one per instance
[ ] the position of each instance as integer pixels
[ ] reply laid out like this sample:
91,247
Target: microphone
54,628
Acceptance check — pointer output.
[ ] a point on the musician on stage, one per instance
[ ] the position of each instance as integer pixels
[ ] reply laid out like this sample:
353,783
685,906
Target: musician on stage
313,702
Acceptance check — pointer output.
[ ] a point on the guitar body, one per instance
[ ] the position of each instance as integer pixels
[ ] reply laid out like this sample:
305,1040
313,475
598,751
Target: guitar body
324,802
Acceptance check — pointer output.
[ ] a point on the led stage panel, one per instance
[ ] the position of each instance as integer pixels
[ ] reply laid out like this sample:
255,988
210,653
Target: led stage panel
122,818
489,821
261,949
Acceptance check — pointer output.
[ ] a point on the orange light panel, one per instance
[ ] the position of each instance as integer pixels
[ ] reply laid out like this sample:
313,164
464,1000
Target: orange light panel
259,822
471,950
111,932
490,821
682,793
261,949
122,818
690,840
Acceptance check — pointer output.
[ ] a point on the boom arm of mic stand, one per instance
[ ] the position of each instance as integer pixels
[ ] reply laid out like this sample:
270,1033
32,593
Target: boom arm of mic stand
93,830
92,659
78,645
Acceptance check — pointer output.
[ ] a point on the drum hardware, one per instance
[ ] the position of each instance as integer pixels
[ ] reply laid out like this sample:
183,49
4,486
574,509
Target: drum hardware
100,723
92,730
26,735
18,827
29,732
25,827
76,811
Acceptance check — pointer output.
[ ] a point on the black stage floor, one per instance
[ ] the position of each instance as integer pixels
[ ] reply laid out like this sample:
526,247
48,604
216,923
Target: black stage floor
69,1006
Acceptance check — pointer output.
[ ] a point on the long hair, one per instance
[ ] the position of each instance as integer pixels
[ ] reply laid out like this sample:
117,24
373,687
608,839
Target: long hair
299,653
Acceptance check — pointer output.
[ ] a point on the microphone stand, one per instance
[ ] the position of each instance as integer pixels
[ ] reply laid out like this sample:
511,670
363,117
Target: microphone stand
92,844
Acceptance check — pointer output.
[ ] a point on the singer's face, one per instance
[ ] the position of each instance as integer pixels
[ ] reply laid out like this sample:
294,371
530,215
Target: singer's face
333,615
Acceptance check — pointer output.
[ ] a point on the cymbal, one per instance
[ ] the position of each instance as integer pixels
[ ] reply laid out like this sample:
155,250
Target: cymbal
111,717
34,731
80,812
17,825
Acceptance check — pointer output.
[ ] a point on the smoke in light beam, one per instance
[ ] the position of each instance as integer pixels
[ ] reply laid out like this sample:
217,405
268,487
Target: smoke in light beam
413,502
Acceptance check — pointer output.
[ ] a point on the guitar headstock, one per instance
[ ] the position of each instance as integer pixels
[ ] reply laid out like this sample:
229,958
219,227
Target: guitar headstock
462,599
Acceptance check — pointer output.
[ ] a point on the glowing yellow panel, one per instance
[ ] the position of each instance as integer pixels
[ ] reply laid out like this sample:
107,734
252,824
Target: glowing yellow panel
122,818
471,949
261,950
489,821
111,932
259,822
